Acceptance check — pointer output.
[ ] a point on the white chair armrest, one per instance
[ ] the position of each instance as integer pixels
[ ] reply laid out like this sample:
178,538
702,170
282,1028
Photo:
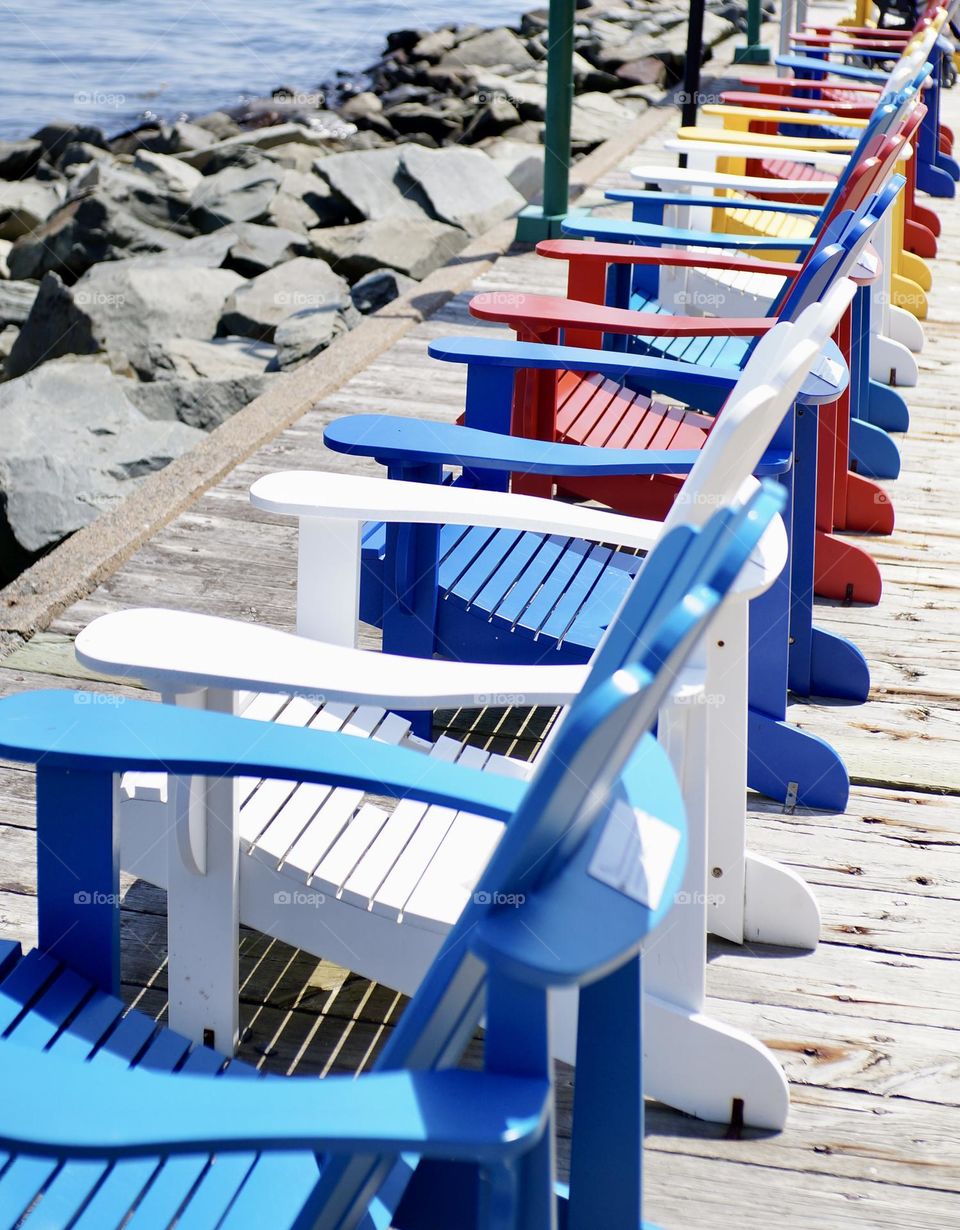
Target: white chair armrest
175,651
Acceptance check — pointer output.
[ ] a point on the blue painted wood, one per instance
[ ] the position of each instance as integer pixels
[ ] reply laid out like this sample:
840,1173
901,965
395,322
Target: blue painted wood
78,868
658,199
872,452
815,69
614,230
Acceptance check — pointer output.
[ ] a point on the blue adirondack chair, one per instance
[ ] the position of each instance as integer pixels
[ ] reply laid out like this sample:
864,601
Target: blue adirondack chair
108,1120
399,591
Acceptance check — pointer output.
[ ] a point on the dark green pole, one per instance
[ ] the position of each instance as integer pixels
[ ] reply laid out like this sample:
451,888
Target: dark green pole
754,52
543,221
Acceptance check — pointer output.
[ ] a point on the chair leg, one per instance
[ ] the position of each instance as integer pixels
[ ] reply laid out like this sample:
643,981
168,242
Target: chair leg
908,295
886,408
779,906
868,508
904,327
845,572
784,761
872,450
892,363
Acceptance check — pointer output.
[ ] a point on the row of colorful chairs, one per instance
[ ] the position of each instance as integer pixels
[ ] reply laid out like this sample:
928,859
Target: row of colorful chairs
713,381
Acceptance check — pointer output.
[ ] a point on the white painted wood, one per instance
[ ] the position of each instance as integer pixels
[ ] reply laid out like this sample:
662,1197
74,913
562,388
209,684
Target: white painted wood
328,580
780,907
888,357
680,179
905,328
203,911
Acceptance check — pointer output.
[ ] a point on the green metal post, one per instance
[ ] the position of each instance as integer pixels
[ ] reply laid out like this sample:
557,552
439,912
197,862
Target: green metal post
754,52
543,221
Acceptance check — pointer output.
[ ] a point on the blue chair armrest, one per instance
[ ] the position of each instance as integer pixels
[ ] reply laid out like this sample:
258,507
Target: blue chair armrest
56,731
395,441
812,64
615,229
717,202
49,1100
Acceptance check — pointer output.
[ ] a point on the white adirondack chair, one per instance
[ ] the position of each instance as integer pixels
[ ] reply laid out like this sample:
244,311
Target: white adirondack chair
332,872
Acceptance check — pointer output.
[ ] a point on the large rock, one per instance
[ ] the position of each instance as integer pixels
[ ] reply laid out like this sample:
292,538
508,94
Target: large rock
154,195
203,404
55,137
307,332
411,246
257,307
256,248
82,233
371,184
521,163
25,204
303,201
121,311
222,358
493,47
19,159
16,300
72,446
463,186
596,118
235,194
323,135
176,176
375,290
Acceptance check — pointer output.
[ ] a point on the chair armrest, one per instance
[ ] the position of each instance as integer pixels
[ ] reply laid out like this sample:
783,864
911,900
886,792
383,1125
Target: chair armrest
768,141
143,1113
593,227
723,146
635,254
549,312
307,494
745,98
677,177
176,651
713,202
775,116
390,438
829,68
57,732
492,352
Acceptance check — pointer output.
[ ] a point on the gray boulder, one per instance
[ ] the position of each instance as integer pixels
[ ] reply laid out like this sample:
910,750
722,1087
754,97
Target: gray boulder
323,135
19,159
375,290
413,247
16,300
25,204
256,248
187,138
305,333
152,194
371,185
596,118
121,310
73,446
235,194
173,173
82,233
222,358
256,308
304,200
463,186
521,163
202,404
54,138
493,47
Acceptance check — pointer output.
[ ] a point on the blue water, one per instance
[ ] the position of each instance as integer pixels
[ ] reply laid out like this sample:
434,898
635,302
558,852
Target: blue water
107,62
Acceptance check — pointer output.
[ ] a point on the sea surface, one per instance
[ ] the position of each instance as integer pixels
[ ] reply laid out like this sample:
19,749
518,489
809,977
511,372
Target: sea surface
108,62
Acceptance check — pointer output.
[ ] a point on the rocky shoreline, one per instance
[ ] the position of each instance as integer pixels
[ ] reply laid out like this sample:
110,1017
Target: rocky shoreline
153,283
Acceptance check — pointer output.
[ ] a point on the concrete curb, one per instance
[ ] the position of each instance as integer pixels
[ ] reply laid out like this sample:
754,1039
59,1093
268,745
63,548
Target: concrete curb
83,561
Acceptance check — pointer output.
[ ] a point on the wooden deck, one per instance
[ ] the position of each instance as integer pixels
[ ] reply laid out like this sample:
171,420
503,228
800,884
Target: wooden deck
866,1027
